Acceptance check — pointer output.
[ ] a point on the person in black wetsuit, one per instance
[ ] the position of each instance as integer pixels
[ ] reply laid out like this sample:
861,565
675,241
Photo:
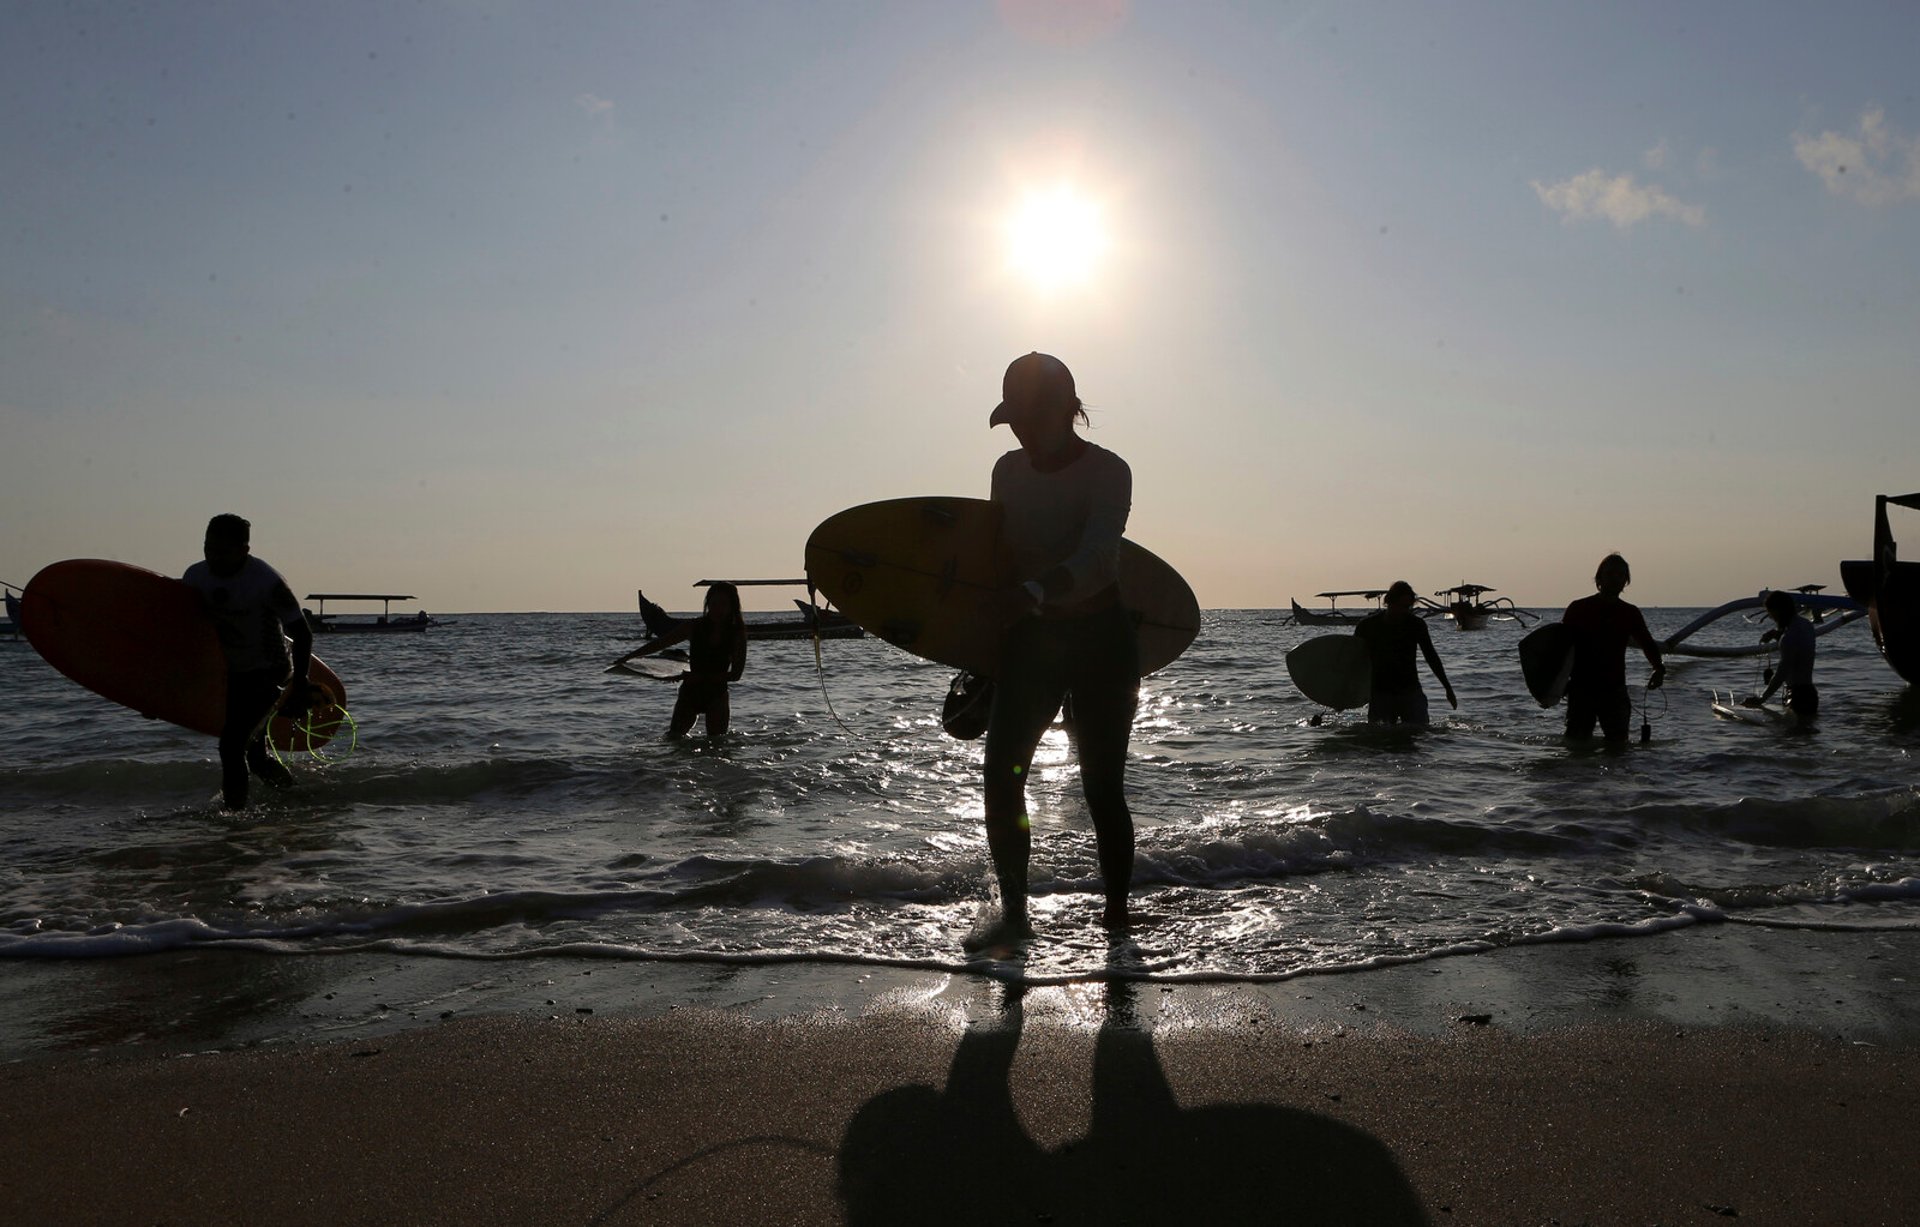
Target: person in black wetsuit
1063,502
1391,637
716,655
268,648
1795,634
1603,625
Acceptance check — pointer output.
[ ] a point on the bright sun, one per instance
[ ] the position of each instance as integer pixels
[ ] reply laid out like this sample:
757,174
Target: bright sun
1056,239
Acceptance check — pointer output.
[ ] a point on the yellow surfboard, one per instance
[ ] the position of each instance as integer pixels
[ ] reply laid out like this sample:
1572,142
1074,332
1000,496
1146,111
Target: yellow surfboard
915,571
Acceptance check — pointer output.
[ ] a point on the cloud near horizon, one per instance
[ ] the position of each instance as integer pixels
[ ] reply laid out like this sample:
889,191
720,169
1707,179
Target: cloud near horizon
1874,166
1595,195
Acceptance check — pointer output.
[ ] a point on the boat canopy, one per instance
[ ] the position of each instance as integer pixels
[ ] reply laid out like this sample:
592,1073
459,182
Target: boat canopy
1370,593
358,596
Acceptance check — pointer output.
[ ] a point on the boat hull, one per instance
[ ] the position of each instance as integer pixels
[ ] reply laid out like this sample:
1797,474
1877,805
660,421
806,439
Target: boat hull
802,630
1470,617
1892,599
397,626
1335,617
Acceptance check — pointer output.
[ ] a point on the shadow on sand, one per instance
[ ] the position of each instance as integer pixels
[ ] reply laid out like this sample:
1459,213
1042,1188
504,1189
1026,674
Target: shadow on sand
961,1155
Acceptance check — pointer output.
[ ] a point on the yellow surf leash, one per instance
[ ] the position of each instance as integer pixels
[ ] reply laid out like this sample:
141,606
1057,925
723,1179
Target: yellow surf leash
820,666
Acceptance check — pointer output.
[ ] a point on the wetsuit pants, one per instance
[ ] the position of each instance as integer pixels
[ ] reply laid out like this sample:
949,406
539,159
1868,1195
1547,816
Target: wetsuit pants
1097,659
1803,702
1407,705
243,738
1607,704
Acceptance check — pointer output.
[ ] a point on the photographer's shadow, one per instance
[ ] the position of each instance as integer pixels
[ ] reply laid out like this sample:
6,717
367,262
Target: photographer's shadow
961,1155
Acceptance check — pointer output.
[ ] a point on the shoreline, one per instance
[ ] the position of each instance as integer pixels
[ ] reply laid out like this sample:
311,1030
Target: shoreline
1850,985
1693,1076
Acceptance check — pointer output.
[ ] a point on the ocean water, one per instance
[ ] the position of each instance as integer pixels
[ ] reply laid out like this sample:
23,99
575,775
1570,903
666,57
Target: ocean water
508,799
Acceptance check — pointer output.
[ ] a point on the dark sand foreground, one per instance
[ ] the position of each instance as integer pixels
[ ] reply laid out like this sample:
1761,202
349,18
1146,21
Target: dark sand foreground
1082,1104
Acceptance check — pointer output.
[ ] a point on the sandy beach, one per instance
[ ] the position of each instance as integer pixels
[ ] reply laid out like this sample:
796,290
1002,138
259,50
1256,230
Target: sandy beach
1696,1078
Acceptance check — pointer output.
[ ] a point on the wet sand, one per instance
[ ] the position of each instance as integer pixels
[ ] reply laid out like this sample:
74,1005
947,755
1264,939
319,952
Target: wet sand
1562,1084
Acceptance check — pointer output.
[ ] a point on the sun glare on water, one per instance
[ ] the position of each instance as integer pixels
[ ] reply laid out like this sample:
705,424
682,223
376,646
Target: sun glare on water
1056,239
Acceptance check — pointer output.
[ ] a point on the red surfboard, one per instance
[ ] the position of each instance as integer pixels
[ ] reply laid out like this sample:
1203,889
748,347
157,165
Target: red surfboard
143,640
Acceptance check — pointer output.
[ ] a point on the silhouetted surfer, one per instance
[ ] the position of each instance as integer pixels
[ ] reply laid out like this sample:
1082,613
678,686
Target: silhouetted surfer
255,615
1392,636
1796,660
1064,504
1602,626
716,656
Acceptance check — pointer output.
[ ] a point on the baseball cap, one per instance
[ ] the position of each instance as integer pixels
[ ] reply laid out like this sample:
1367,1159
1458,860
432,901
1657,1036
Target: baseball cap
1032,379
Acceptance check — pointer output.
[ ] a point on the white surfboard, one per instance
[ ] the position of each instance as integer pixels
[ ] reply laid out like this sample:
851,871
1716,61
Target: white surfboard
1731,708
653,668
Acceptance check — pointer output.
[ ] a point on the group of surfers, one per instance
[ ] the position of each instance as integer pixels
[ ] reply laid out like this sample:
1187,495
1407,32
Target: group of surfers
1602,627
1064,502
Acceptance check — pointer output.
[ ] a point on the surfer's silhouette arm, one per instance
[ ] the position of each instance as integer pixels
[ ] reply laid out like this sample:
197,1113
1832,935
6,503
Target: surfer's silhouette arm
678,634
299,696
737,652
736,648
1439,670
1652,652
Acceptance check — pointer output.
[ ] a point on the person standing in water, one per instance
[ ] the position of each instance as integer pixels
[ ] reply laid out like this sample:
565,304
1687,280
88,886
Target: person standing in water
1391,637
256,617
1063,503
1796,660
716,656
1602,626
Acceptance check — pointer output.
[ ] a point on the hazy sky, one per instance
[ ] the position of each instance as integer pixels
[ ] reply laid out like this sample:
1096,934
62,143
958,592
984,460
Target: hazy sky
526,306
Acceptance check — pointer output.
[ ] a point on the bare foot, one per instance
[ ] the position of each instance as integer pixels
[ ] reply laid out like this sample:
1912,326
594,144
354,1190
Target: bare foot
1003,932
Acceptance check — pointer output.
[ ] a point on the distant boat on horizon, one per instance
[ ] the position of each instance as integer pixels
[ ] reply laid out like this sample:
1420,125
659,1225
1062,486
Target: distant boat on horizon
322,622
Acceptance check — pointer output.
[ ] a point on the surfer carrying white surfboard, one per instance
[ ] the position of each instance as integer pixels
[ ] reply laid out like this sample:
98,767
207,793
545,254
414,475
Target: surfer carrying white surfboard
1063,502
1391,637
1603,625
716,656
255,616
1795,634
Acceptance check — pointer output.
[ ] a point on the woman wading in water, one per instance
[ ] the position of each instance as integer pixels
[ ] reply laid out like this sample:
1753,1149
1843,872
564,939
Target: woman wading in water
716,655
1063,504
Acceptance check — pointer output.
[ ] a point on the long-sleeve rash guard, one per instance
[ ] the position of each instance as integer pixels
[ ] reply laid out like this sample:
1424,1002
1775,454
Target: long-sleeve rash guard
1072,517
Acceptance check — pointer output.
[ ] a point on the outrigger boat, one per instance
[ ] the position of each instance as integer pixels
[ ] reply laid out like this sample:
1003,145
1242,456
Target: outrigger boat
1462,603
1333,615
323,622
828,622
1890,590
1809,597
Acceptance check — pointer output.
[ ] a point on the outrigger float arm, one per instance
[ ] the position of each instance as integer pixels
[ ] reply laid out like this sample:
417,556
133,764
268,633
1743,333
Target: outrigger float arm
1674,645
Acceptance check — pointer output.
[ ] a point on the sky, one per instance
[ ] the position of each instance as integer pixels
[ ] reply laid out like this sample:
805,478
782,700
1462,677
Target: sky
527,306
